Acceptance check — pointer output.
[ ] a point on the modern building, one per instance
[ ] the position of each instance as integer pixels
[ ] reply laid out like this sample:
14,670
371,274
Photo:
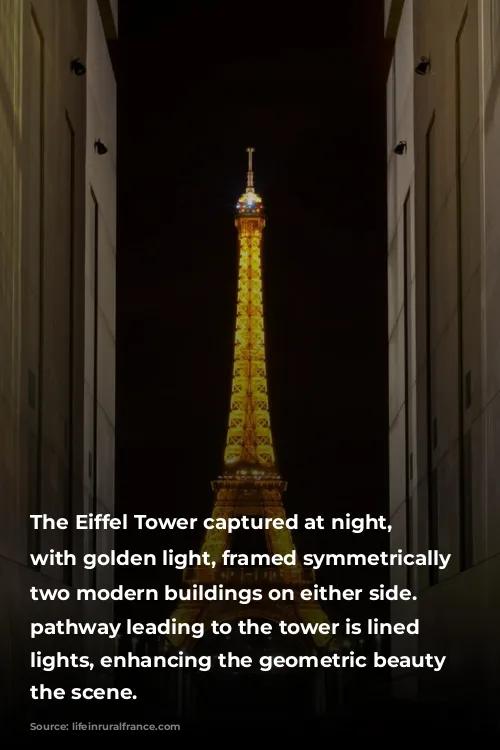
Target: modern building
100,291
57,216
444,336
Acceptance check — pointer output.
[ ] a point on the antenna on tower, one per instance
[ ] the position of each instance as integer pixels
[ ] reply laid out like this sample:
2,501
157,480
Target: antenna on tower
250,151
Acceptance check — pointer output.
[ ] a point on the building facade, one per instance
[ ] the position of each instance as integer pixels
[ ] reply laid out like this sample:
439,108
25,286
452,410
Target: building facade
100,295
444,337
48,126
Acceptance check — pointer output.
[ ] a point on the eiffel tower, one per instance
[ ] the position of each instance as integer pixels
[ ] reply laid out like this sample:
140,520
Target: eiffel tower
250,484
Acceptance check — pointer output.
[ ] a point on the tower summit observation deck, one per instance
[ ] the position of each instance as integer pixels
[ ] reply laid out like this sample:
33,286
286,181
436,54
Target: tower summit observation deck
250,483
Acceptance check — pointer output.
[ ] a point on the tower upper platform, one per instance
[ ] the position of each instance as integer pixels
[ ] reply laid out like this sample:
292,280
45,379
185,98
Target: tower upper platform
250,203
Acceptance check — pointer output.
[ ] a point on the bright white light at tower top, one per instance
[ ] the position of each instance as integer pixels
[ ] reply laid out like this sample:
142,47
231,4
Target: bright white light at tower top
250,204
249,200
251,197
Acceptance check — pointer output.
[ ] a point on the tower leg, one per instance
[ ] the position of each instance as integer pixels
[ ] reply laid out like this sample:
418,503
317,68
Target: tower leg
188,708
320,707
180,692
340,686
184,693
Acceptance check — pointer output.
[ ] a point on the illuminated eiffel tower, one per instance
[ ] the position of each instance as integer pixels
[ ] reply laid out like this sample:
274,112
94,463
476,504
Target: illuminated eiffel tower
250,484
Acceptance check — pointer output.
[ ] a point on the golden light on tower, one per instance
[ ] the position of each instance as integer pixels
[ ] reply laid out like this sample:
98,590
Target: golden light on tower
249,438
250,484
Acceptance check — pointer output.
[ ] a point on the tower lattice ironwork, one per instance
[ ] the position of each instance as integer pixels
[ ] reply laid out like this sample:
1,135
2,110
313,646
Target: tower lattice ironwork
250,484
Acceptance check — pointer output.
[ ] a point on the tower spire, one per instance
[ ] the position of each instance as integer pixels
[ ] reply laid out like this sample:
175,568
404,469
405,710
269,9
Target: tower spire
250,151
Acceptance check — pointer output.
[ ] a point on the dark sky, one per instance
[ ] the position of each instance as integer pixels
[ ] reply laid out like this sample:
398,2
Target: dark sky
196,87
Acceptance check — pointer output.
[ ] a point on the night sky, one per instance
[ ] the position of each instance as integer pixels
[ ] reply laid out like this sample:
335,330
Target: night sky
196,87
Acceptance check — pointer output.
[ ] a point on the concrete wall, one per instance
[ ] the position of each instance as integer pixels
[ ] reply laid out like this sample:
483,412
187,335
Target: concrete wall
451,360
48,456
114,11
42,200
401,315
100,296
454,436
392,16
108,10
